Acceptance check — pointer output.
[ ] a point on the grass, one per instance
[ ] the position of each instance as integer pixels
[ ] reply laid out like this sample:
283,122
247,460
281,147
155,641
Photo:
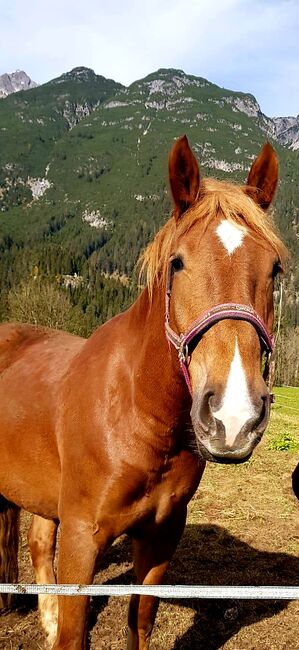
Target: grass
283,430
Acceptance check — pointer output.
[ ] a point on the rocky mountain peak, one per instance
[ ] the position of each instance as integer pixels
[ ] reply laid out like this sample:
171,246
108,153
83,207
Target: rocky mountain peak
15,81
167,82
80,74
286,130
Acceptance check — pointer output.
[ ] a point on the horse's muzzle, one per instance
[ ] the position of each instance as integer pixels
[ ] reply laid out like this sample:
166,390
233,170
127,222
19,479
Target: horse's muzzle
217,445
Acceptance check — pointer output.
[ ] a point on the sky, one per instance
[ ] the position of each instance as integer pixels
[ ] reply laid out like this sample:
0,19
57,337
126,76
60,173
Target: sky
246,45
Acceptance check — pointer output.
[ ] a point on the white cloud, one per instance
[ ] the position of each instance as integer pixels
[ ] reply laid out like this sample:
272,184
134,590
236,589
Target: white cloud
250,46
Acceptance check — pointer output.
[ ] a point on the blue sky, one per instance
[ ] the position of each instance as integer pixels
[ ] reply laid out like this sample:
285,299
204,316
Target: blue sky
248,45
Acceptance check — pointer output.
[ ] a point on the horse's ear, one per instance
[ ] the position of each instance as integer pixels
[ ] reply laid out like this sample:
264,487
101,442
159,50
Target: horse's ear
183,176
263,176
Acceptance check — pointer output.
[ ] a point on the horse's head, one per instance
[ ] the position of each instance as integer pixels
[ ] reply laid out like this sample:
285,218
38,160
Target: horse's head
223,249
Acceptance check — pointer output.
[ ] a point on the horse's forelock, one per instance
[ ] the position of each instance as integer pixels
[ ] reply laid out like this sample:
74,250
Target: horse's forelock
216,198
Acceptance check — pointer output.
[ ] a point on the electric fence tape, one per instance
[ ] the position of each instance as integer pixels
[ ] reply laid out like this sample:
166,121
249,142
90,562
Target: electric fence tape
162,591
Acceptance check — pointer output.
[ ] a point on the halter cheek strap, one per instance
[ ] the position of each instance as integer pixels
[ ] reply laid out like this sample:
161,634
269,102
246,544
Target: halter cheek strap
186,342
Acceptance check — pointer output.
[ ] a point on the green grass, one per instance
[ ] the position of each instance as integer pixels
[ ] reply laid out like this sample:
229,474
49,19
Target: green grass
283,430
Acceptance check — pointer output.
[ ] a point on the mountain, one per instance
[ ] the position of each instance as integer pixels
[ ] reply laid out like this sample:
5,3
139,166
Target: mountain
83,176
286,130
12,83
33,121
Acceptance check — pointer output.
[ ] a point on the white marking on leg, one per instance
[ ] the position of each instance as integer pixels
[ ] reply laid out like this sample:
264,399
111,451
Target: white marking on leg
237,407
48,611
230,235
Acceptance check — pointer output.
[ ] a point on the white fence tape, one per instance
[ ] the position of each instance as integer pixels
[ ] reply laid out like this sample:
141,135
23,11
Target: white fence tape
163,591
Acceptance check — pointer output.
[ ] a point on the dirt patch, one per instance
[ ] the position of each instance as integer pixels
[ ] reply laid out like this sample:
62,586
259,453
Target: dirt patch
242,530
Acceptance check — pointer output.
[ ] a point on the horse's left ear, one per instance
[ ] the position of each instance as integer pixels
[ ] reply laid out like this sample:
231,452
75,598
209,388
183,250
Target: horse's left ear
263,176
183,176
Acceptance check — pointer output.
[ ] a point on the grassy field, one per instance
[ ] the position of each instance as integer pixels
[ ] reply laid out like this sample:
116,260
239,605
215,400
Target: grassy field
242,529
283,432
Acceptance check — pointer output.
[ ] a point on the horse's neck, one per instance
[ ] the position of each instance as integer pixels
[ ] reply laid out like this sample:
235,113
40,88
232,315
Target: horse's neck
157,375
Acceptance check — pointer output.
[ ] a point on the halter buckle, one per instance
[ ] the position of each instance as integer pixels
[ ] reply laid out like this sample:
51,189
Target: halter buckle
183,352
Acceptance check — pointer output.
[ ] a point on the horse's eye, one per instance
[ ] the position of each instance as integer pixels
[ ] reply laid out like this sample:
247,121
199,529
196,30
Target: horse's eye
177,264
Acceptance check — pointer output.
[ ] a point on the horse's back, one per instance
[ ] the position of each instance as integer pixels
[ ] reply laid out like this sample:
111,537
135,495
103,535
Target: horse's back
16,339
33,363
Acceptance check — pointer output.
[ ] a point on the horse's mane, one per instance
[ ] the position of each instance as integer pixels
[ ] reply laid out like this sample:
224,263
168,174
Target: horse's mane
216,198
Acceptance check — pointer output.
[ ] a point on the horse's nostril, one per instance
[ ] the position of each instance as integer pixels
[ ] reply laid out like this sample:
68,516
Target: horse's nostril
214,402
262,419
201,412
206,415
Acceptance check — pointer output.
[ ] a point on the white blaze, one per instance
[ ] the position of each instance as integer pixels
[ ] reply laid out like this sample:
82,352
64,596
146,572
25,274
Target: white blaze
237,407
230,235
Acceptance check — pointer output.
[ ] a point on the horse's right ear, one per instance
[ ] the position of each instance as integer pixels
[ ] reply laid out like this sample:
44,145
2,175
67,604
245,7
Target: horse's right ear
183,176
263,177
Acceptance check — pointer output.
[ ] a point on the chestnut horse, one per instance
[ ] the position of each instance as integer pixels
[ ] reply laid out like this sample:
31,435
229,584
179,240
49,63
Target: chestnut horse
108,435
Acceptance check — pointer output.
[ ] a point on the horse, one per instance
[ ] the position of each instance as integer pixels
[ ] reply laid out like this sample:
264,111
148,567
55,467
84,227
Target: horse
295,481
111,434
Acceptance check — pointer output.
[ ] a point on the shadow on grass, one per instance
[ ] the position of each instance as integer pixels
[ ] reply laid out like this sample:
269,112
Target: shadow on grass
209,555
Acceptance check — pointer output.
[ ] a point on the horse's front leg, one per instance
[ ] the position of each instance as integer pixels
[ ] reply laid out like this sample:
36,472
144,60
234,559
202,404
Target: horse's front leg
152,554
79,546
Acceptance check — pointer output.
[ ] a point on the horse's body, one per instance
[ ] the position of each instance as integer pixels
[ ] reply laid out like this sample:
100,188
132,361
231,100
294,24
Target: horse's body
125,473
30,403
97,433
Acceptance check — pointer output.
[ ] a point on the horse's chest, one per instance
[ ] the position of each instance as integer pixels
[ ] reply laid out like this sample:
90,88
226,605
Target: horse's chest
166,502
149,496
175,487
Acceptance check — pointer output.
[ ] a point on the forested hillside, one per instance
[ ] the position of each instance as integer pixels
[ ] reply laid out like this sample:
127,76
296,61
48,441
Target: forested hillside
83,186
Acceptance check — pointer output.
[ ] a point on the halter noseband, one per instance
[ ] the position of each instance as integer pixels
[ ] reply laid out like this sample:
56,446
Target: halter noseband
185,343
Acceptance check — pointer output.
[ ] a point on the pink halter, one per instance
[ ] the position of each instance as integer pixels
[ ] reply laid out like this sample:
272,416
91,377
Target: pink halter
202,324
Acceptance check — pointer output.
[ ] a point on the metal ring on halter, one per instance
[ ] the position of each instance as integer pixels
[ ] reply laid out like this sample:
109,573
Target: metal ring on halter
184,353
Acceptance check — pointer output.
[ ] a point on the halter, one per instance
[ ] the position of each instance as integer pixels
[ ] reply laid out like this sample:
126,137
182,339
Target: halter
186,342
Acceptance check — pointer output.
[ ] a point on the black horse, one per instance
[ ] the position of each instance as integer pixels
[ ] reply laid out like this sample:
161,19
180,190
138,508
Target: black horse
295,481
